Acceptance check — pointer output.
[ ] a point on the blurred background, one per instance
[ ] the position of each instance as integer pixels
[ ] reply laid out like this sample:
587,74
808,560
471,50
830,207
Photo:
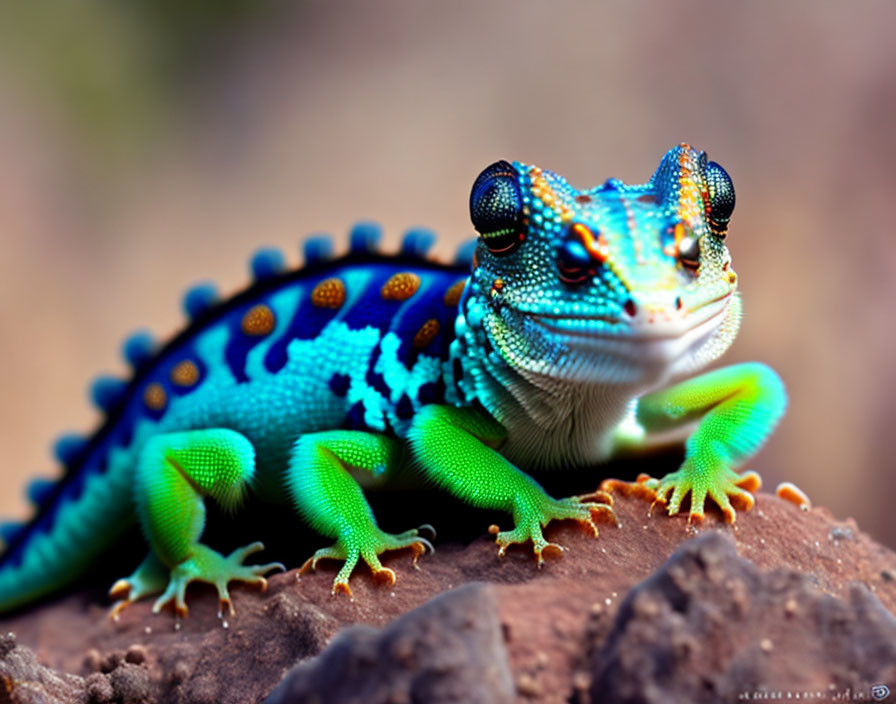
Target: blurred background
146,145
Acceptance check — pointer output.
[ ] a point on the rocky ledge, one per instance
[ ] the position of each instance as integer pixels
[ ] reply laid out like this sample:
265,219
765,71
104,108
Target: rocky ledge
786,604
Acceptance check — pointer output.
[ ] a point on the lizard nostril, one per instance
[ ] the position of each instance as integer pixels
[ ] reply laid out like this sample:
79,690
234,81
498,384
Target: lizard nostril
630,308
678,303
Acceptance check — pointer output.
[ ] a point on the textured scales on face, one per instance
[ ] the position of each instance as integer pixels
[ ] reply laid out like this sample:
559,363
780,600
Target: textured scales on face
619,284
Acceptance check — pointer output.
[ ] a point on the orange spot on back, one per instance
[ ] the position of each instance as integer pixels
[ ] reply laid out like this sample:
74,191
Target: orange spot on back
453,294
400,287
155,397
258,320
329,293
185,373
427,333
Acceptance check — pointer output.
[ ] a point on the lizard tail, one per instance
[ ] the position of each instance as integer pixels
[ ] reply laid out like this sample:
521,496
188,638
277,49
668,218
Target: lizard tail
75,521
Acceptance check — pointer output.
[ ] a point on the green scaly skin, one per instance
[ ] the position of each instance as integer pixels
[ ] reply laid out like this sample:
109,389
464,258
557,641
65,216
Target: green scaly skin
575,338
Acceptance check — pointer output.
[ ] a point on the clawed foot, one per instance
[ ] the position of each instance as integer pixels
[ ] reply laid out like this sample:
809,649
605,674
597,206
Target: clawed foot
530,520
205,565
729,486
352,547
149,578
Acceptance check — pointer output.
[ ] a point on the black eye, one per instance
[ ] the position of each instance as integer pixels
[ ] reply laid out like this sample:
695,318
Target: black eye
720,198
496,208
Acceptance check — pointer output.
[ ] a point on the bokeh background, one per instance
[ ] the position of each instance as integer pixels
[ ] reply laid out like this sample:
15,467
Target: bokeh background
148,144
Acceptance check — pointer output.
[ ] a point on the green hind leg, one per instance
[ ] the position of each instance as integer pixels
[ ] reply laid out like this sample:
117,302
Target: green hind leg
322,482
454,446
174,475
736,408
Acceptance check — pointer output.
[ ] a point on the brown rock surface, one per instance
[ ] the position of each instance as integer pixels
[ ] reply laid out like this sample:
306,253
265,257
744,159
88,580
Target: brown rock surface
709,626
555,622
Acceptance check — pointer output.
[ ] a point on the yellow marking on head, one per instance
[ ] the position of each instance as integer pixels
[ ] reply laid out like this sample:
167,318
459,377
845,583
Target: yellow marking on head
453,294
690,200
597,246
400,287
426,333
329,293
678,232
155,397
258,320
185,373
542,190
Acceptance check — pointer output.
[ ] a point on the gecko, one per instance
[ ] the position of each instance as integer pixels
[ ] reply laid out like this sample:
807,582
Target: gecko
573,329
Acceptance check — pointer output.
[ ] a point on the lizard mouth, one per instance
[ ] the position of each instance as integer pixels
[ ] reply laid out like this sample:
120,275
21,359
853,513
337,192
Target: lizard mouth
645,326
651,338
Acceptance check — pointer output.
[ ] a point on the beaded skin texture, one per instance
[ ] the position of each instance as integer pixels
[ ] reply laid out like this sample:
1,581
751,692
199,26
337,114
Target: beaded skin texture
574,337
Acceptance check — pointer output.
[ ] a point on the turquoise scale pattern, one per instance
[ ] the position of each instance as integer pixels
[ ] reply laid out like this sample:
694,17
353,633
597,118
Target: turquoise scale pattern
380,389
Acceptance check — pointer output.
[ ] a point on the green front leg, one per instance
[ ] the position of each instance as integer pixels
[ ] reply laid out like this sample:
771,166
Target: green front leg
736,408
454,447
322,483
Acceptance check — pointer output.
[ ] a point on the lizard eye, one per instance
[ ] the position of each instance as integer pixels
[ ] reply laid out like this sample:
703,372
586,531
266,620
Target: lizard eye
496,208
720,198
689,252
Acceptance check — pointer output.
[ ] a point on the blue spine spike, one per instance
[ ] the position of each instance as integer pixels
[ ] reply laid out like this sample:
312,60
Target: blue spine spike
199,299
9,530
107,392
318,249
68,448
364,237
417,242
138,348
465,252
39,489
266,263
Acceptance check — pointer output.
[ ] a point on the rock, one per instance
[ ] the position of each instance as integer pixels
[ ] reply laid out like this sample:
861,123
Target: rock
711,627
23,680
448,650
554,622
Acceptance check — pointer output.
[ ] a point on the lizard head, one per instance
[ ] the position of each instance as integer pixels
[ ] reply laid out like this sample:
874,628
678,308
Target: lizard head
615,283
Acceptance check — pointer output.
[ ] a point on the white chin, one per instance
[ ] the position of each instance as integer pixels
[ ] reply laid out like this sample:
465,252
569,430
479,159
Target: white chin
647,362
